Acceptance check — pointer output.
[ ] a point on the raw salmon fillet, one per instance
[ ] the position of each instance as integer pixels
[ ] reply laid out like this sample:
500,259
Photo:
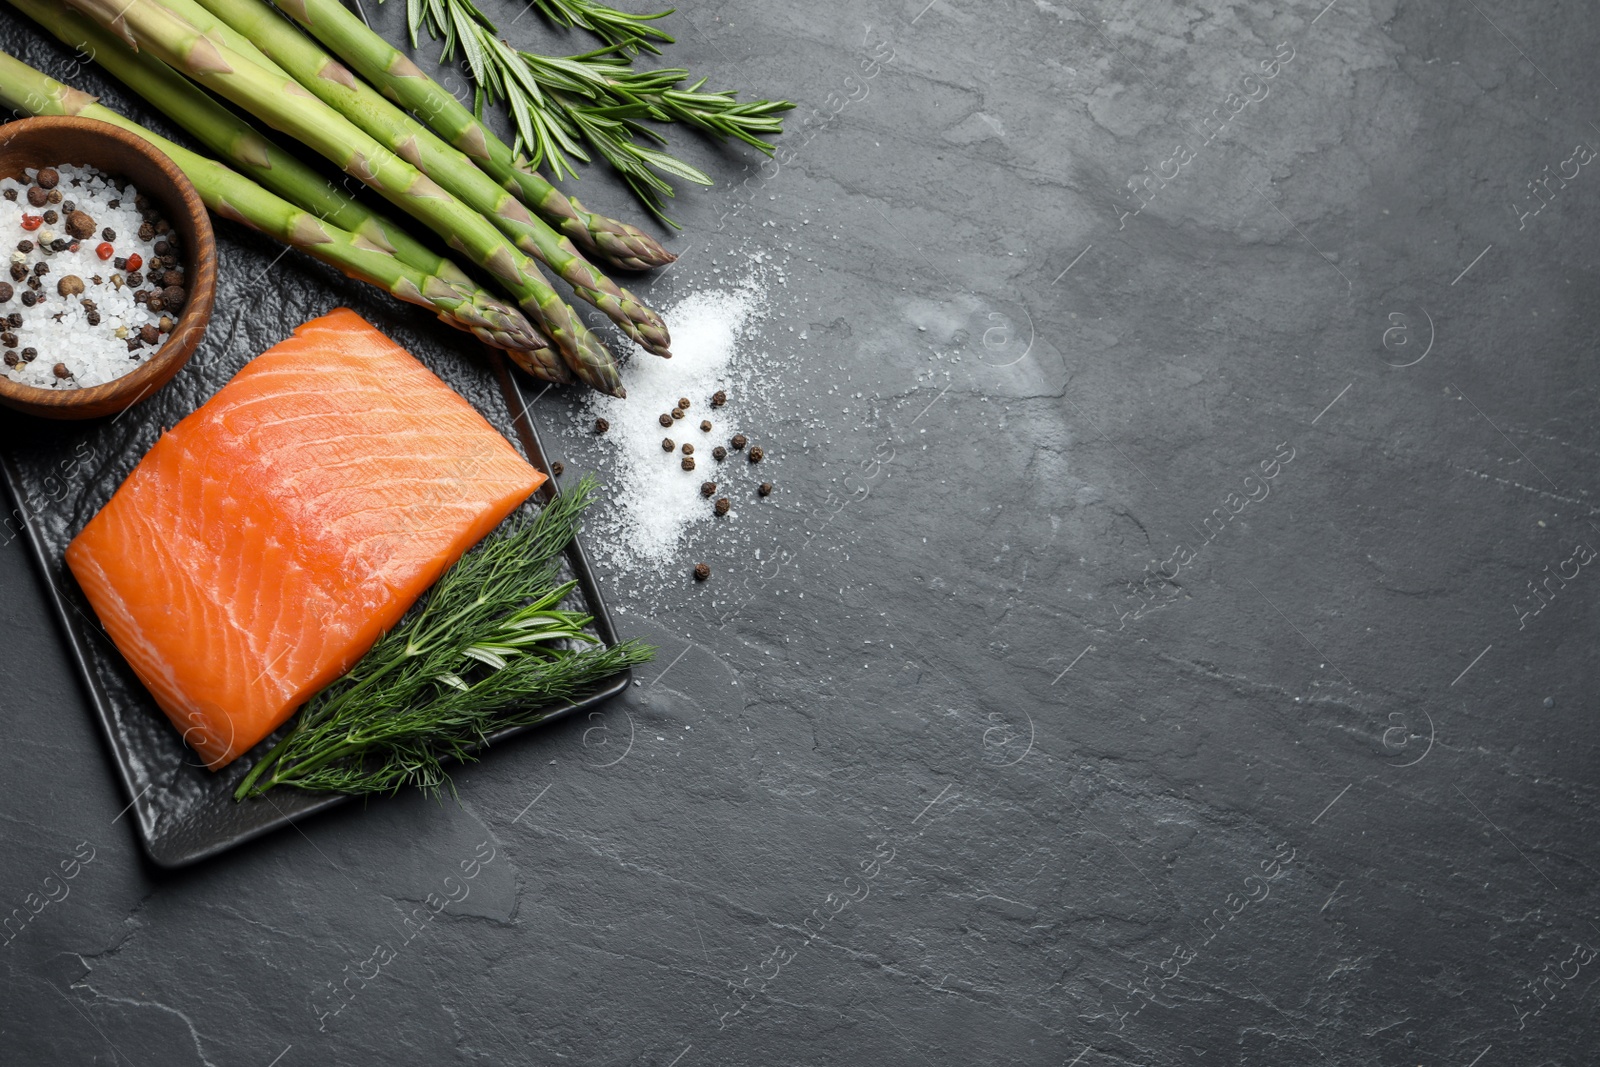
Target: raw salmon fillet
267,540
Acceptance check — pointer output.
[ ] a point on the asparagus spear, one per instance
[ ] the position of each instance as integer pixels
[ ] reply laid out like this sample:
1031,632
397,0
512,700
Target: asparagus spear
282,103
234,196
244,22
404,82
234,140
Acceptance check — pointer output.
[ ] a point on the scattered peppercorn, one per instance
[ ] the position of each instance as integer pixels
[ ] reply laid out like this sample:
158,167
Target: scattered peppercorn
705,425
69,206
48,177
135,261
556,468
756,453
135,278
134,344
69,285
104,250
115,203
688,463
54,196
146,231
601,426
719,398
6,292
61,371
11,194
97,280
667,444
92,316
37,196
677,413
719,453
14,320
739,441
12,359
765,489
141,201
59,244
24,246
707,488
683,402
163,247
722,506
665,420
121,263
32,282
9,339
41,267
29,298
688,449
156,302
149,334
29,355
162,226
174,295
51,218
702,571
80,225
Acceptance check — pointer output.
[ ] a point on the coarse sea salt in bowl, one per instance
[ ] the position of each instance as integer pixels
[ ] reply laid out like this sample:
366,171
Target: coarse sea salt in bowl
80,368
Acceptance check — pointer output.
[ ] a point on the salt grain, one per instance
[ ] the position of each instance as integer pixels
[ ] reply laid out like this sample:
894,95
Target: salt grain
655,500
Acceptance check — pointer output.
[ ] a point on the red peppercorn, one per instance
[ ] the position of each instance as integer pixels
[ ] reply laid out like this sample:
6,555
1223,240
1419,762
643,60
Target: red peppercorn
135,261
32,222
104,250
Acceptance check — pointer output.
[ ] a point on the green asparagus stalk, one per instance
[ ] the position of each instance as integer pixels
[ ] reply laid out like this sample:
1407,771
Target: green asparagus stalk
282,103
234,196
234,140
386,67
243,22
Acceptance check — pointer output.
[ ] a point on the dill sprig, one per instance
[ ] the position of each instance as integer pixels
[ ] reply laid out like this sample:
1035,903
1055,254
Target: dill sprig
491,647
563,108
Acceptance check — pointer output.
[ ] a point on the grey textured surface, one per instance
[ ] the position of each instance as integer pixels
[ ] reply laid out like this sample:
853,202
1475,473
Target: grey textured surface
921,787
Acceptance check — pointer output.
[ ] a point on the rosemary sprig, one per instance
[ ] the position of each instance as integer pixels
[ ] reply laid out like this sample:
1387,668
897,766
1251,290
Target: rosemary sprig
619,28
491,647
564,108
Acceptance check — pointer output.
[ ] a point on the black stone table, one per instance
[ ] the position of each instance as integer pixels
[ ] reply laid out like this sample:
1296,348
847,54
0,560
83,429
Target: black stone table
1173,641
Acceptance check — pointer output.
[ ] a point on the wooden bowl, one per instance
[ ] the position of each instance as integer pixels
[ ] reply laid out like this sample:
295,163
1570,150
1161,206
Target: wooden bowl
50,141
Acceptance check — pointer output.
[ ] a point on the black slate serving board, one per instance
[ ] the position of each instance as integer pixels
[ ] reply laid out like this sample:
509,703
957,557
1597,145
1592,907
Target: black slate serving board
60,474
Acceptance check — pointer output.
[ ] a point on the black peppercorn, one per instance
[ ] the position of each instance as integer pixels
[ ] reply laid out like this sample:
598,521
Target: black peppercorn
677,413
702,571
688,449
765,489
29,355
705,425
6,292
9,339
135,278
756,453
121,263
163,246
11,194
69,206
14,320
667,444
12,359
41,267
722,506
707,488
683,402
29,298
51,218
556,468
156,302
146,231
665,420
739,441
24,246
92,316
108,234
59,244
719,453
60,370
688,463
718,398
601,426
19,271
